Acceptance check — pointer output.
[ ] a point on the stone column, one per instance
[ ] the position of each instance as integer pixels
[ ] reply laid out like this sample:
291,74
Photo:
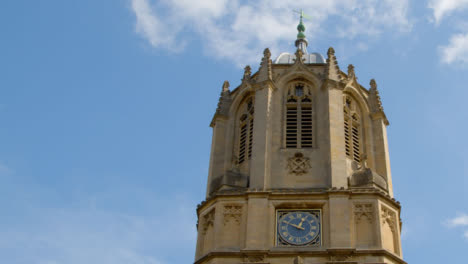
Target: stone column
257,222
340,220
260,161
336,129
217,151
382,158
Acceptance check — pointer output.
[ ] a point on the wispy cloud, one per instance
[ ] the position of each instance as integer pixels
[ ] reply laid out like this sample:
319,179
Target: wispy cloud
239,30
443,8
151,27
456,51
460,220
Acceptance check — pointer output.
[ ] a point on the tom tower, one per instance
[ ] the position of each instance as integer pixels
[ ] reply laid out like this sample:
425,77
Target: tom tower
299,168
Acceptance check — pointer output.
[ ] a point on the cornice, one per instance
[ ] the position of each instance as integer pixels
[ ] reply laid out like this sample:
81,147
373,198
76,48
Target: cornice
301,251
289,194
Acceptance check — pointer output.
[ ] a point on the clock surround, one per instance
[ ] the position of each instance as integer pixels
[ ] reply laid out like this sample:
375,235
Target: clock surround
298,227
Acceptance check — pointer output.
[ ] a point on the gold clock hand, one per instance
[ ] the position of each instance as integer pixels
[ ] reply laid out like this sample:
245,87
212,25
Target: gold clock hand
302,220
296,226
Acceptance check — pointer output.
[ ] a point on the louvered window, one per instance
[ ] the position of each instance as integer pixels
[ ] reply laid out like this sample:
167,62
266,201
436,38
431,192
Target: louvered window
299,118
251,123
291,127
356,147
306,126
352,128
242,142
246,125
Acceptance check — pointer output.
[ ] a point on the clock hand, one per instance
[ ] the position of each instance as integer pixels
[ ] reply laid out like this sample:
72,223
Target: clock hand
296,226
302,220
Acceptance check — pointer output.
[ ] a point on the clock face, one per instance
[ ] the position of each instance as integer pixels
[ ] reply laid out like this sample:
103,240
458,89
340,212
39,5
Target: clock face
299,228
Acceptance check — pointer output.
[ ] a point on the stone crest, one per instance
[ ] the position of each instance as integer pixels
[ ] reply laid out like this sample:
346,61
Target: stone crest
254,258
298,164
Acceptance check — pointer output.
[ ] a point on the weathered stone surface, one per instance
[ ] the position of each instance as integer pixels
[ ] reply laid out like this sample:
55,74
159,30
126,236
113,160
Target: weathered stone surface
367,178
255,174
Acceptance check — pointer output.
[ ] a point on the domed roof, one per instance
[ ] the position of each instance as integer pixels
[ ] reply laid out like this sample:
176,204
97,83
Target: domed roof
312,58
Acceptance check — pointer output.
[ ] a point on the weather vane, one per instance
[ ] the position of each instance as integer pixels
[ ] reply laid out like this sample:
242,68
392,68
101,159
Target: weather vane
301,41
303,15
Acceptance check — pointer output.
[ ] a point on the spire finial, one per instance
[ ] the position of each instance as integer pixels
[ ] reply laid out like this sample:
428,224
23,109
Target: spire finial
351,73
226,86
247,73
373,84
301,41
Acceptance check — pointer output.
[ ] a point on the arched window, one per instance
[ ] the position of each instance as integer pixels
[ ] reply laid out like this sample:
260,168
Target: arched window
352,129
246,123
298,123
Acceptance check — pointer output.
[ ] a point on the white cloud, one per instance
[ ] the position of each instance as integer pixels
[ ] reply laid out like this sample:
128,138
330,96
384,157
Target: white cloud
456,51
442,8
151,28
460,220
240,30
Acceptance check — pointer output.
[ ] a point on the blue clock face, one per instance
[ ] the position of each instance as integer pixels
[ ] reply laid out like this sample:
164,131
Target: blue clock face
298,227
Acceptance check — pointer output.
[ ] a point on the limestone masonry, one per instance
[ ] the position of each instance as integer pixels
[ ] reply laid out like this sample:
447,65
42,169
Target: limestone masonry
299,168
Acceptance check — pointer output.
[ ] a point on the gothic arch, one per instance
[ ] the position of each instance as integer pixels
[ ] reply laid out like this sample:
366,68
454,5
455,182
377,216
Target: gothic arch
354,128
298,111
290,76
243,93
366,130
243,123
359,98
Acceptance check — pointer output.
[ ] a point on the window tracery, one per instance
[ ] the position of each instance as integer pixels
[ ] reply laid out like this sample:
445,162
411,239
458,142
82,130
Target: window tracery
298,120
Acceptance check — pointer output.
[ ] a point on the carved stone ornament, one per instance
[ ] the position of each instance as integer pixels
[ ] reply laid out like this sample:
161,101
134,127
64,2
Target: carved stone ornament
224,100
226,86
208,220
351,73
338,258
363,210
374,96
299,57
389,217
232,213
254,259
247,73
265,72
298,164
333,71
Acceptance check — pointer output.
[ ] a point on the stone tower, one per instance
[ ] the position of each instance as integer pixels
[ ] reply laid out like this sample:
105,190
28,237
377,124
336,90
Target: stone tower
299,168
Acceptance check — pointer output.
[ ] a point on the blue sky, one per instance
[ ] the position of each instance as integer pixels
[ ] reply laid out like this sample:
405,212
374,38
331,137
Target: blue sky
105,107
